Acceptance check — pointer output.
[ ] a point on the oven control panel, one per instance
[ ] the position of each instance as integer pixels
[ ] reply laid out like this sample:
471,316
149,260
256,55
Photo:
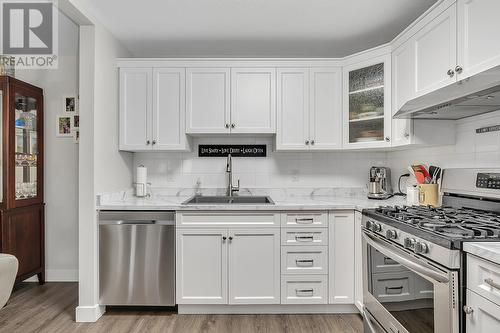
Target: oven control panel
488,180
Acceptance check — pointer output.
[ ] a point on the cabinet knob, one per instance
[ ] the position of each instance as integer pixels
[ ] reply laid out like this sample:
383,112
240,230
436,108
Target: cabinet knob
450,72
407,135
458,69
307,142
230,238
233,125
387,139
154,142
312,142
227,125
468,309
148,142
224,238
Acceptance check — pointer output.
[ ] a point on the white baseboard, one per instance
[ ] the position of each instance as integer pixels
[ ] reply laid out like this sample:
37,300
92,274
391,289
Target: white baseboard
89,314
267,309
57,275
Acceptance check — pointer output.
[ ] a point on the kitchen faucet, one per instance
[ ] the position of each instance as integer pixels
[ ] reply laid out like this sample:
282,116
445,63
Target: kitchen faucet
229,169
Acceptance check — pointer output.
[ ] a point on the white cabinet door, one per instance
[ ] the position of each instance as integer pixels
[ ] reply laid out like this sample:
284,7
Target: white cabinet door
207,100
325,108
253,100
485,316
292,130
403,90
478,28
201,266
341,257
169,111
135,108
254,266
358,262
436,53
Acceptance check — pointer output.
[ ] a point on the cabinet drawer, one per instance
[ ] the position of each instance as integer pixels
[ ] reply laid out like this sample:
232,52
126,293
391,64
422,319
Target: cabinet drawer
306,289
382,264
304,260
227,219
304,236
302,219
392,287
483,277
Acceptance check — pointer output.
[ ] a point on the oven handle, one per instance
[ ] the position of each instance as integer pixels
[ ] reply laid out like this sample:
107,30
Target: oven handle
371,323
406,260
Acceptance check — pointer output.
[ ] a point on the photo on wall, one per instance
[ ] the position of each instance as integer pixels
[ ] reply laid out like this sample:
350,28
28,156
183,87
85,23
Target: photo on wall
63,126
70,104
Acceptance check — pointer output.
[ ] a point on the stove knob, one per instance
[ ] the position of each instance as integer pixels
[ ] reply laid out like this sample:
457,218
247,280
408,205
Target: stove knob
376,227
368,224
409,243
421,247
391,234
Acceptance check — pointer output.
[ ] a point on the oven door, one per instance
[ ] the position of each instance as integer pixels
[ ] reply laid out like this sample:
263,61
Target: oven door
404,292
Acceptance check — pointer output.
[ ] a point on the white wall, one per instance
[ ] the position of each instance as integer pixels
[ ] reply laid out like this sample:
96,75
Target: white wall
277,170
471,149
61,158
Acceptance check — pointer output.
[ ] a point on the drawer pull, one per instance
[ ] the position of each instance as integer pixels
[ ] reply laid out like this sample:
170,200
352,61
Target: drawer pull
304,292
389,261
309,238
393,290
492,283
304,220
304,262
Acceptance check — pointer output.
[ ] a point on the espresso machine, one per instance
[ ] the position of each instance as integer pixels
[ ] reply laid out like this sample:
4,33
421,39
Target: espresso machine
379,186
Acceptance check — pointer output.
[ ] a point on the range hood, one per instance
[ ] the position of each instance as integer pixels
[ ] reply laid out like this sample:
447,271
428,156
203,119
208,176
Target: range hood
466,98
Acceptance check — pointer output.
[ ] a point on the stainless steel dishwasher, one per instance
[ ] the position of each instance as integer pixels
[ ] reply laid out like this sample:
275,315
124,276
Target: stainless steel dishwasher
137,258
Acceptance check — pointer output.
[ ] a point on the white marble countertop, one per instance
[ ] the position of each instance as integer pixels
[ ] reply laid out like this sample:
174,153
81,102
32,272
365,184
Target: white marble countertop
304,200
486,250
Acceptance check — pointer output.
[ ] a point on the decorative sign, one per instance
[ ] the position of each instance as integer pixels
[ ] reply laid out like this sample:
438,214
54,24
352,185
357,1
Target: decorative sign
234,150
488,129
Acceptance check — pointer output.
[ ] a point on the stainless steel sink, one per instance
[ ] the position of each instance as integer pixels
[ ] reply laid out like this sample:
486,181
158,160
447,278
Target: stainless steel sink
225,200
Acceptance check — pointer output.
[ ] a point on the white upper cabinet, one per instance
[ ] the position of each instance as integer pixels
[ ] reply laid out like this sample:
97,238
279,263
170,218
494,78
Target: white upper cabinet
292,130
403,89
169,109
254,266
478,30
367,103
436,53
208,100
253,100
135,109
325,117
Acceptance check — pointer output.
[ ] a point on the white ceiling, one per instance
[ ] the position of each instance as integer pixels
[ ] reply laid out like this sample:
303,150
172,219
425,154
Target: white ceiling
255,28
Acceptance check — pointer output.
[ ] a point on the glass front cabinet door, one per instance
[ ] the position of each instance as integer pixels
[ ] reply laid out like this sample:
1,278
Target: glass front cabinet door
367,112
23,117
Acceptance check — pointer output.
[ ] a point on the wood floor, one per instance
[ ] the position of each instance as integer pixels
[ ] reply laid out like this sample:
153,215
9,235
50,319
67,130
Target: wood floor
50,309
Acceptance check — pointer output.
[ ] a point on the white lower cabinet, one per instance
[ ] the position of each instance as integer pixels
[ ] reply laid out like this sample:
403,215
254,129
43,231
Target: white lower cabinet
228,266
484,316
358,261
201,266
304,289
341,259
254,274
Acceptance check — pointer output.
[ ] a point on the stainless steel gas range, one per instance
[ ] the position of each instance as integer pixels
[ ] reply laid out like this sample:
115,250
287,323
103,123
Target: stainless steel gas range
413,264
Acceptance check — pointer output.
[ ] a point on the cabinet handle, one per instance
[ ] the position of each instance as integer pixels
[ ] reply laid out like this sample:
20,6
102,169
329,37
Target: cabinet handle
397,290
492,283
387,139
233,125
304,262
227,125
224,239
154,142
450,72
459,69
304,238
407,135
148,142
307,142
312,142
468,309
301,292
307,220
230,238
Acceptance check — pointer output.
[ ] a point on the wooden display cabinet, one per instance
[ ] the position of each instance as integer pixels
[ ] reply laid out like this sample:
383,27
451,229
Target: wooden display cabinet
21,176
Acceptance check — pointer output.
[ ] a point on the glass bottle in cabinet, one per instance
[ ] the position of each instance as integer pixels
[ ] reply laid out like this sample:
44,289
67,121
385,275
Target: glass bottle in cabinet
366,105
